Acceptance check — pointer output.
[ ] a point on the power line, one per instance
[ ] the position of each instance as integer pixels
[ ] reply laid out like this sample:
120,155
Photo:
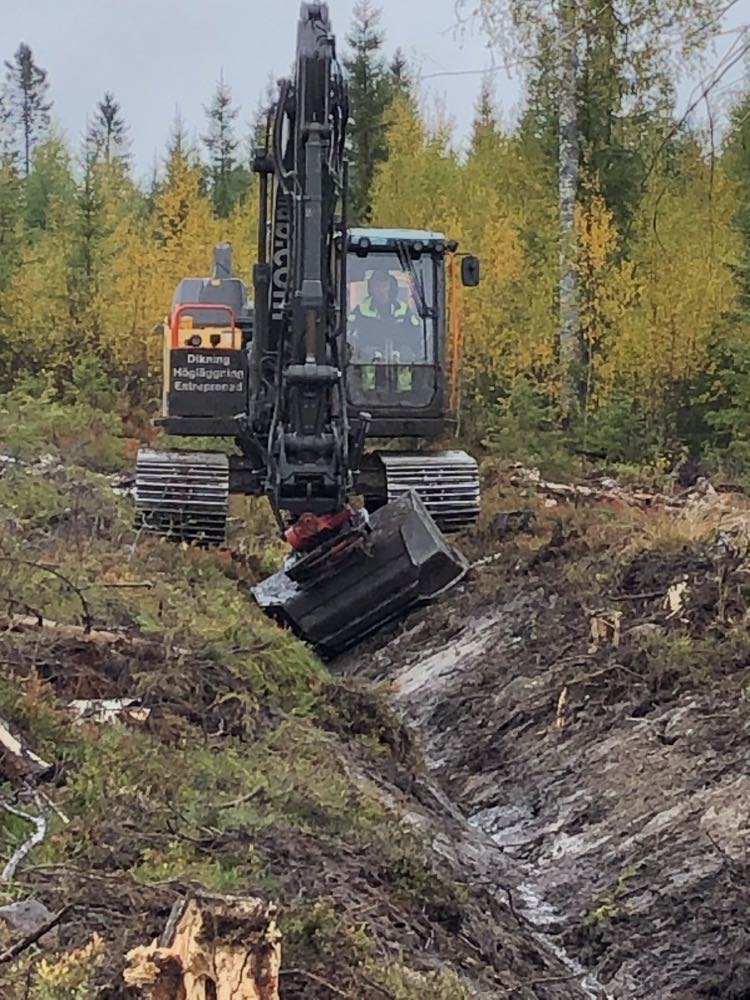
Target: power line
592,19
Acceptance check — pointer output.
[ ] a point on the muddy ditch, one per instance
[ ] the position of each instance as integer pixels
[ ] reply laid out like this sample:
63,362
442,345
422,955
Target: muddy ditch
153,816
584,704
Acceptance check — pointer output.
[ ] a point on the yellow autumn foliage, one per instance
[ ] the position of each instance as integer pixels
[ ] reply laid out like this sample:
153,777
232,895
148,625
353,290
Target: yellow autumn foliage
658,299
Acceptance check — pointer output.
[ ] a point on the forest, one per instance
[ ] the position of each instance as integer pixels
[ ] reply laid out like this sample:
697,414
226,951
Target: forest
536,785
660,256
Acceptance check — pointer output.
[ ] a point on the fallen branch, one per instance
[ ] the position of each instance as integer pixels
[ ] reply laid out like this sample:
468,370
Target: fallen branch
53,571
101,637
39,822
643,595
26,942
19,762
607,490
66,631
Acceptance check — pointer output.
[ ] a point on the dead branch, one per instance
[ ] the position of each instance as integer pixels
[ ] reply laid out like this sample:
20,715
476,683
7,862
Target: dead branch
39,822
102,637
53,571
316,979
17,761
66,631
26,942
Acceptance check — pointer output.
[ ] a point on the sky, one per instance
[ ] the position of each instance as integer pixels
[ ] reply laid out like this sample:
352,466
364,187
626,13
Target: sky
158,56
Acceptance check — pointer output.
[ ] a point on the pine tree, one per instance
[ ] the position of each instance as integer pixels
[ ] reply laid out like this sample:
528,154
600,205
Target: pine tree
26,103
227,177
484,126
87,233
107,133
10,217
50,188
369,96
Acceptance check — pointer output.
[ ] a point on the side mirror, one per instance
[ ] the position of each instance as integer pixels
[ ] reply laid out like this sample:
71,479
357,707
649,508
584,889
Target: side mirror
470,271
159,329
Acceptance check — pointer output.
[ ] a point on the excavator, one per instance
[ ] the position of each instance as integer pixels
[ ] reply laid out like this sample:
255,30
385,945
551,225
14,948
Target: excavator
345,342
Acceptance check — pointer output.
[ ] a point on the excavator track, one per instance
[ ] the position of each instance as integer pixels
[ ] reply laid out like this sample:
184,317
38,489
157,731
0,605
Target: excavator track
446,482
183,494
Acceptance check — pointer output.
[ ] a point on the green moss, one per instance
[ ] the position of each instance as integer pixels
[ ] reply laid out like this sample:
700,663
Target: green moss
608,905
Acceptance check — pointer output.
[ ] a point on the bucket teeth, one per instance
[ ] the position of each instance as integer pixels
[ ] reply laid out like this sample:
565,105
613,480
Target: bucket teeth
182,494
447,483
407,561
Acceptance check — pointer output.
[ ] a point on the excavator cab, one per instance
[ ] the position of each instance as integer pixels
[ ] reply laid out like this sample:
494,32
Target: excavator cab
391,333
396,328
401,369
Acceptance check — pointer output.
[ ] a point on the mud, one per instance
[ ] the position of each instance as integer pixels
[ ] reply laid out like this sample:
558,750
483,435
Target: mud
587,710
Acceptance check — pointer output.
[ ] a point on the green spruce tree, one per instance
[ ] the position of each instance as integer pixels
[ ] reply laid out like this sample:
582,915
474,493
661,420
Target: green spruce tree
369,95
11,213
400,77
227,177
26,103
107,133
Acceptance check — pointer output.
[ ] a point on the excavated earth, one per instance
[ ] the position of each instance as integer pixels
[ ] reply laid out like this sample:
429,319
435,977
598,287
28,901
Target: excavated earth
584,703
570,745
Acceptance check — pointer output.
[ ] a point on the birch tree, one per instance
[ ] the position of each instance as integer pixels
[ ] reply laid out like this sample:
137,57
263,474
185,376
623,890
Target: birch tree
648,41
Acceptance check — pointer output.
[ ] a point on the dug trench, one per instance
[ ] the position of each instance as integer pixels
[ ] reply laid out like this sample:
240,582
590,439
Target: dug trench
535,788
179,745
584,704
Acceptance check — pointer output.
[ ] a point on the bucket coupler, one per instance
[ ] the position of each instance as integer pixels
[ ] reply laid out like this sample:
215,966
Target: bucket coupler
406,560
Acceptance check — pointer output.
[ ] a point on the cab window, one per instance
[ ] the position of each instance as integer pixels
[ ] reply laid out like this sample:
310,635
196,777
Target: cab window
391,345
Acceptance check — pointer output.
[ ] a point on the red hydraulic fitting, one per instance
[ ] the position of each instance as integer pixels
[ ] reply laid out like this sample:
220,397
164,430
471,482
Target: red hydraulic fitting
307,527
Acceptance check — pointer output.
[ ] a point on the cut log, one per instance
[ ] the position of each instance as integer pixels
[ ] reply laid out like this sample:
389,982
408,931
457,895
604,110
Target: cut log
23,623
19,763
66,631
223,947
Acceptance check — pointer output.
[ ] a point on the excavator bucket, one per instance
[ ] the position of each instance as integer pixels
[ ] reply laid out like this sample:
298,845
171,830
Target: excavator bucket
406,561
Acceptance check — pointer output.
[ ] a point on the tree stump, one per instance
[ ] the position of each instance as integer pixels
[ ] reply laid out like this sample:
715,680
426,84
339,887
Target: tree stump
212,948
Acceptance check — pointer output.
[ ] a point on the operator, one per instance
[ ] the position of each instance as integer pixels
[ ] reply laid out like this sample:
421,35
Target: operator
384,330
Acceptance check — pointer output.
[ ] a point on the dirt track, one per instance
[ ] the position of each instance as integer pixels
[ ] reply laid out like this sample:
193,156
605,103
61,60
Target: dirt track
587,709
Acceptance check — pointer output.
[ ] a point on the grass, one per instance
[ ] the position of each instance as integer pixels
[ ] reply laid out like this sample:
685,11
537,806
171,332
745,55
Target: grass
241,780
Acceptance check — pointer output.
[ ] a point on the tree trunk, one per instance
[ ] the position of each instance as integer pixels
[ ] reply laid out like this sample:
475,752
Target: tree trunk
567,33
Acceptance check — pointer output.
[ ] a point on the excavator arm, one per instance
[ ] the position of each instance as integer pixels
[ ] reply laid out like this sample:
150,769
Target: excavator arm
350,574
297,354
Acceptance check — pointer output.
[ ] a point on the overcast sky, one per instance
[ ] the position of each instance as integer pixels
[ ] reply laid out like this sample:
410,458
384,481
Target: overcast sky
160,55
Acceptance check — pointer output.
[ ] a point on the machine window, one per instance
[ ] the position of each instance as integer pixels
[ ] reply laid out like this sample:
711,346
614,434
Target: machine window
392,345
206,316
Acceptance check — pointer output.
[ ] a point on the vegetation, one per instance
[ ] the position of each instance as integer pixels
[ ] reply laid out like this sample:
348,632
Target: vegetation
254,771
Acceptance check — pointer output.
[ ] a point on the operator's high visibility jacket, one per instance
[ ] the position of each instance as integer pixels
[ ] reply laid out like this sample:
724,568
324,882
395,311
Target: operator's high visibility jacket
371,332
385,339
